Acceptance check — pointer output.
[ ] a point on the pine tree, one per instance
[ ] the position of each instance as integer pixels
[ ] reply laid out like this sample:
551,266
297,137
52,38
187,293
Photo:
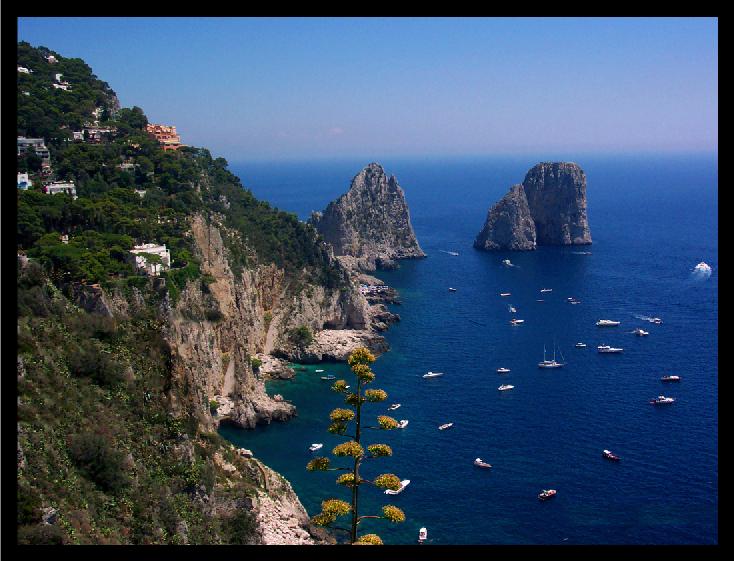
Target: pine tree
359,362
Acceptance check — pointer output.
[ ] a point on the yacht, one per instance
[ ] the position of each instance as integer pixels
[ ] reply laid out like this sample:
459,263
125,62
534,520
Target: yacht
608,349
432,374
670,379
546,290
662,400
393,407
504,387
517,321
422,535
503,370
609,456
329,377
640,332
321,370
505,294
446,426
607,323
403,484
403,423
315,447
546,494
551,363
478,462
580,345
452,289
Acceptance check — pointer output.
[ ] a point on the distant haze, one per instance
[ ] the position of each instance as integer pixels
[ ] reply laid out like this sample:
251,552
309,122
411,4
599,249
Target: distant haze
290,88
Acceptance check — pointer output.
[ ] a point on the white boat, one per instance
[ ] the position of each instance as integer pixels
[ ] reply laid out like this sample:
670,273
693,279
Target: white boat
403,484
656,321
608,349
505,387
607,323
329,377
446,426
394,406
670,379
662,400
517,321
315,447
702,268
640,332
453,253
546,290
452,289
432,374
506,263
422,535
319,370
503,370
569,299
505,294
551,363
580,345
403,423
575,302
481,464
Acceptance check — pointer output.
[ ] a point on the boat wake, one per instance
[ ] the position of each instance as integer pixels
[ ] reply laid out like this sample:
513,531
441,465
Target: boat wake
449,252
581,252
702,271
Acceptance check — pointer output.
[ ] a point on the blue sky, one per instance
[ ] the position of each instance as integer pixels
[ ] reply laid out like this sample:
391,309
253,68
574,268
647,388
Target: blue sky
292,88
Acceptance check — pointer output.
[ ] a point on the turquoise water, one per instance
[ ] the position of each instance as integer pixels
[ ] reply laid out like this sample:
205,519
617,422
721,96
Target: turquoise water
651,220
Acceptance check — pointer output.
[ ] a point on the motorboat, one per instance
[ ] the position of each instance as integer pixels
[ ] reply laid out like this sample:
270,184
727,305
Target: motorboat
479,463
321,370
551,363
328,377
607,323
503,370
452,289
394,406
505,387
505,294
607,349
702,268
422,535
609,456
403,423
403,484
640,332
656,321
662,400
546,290
517,321
546,494
432,374
314,447
569,299
671,378
575,302
507,262
453,253
580,345
446,426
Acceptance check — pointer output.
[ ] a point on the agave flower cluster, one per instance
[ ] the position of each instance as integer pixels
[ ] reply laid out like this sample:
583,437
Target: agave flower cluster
343,420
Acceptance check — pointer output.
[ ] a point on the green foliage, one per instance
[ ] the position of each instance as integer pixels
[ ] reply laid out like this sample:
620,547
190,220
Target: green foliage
255,362
301,336
97,458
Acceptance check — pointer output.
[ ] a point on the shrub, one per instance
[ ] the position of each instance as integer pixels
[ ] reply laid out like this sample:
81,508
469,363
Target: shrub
98,460
256,363
300,336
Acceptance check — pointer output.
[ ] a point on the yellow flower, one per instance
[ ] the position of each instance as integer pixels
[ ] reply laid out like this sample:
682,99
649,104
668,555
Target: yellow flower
388,481
335,507
379,450
339,386
341,415
368,539
361,355
363,372
352,399
347,480
318,464
337,428
375,395
387,423
393,513
323,519
350,448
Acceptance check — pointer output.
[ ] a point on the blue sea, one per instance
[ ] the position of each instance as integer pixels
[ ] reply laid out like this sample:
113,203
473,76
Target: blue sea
652,220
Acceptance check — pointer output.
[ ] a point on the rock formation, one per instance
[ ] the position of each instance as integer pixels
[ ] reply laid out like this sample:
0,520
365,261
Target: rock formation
549,208
509,224
369,223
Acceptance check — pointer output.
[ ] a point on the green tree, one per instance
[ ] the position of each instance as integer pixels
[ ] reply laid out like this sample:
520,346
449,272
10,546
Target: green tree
331,509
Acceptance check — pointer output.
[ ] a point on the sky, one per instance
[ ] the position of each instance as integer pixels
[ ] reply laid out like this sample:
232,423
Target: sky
294,88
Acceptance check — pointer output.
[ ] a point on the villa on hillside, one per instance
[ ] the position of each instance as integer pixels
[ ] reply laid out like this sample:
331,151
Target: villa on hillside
23,181
57,187
143,264
166,136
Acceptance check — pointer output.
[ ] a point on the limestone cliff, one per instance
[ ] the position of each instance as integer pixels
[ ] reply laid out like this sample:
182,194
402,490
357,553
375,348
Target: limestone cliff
509,225
549,208
370,222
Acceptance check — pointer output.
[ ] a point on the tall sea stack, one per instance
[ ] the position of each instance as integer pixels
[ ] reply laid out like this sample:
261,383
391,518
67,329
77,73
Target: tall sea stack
370,224
551,199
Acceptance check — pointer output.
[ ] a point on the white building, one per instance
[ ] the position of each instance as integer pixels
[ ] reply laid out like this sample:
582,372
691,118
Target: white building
23,181
24,70
58,77
38,145
61,187
65,87
51,59
151,269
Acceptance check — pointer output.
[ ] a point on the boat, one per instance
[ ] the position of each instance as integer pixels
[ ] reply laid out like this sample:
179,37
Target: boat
507,262
403,484
670,379
505,387
511,308
608,349
609,456
656,321
662,400
551,363
702,268
569,299
505,294
640,332
546,494
452,289
314,447
319,370
575,302
393,407
607,323
580,345
503,370
422,535
546,290
517,321
329,377
403,423
539,300
478,462
432,374
453,253
446,426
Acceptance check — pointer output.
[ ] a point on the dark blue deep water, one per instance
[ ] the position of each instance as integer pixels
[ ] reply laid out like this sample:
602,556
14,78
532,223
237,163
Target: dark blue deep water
652,220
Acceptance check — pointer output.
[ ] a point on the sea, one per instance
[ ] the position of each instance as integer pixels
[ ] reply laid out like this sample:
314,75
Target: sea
652,219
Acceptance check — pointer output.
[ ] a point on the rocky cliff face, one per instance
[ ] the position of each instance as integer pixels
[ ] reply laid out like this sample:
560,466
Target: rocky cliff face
549,208
509,225
556,194
370,222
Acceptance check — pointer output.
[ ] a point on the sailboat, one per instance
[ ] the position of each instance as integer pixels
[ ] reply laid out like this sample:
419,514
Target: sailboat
551,363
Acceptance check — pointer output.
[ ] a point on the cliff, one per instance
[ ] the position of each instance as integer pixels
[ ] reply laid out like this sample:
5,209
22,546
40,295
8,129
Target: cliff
370,223
549,208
